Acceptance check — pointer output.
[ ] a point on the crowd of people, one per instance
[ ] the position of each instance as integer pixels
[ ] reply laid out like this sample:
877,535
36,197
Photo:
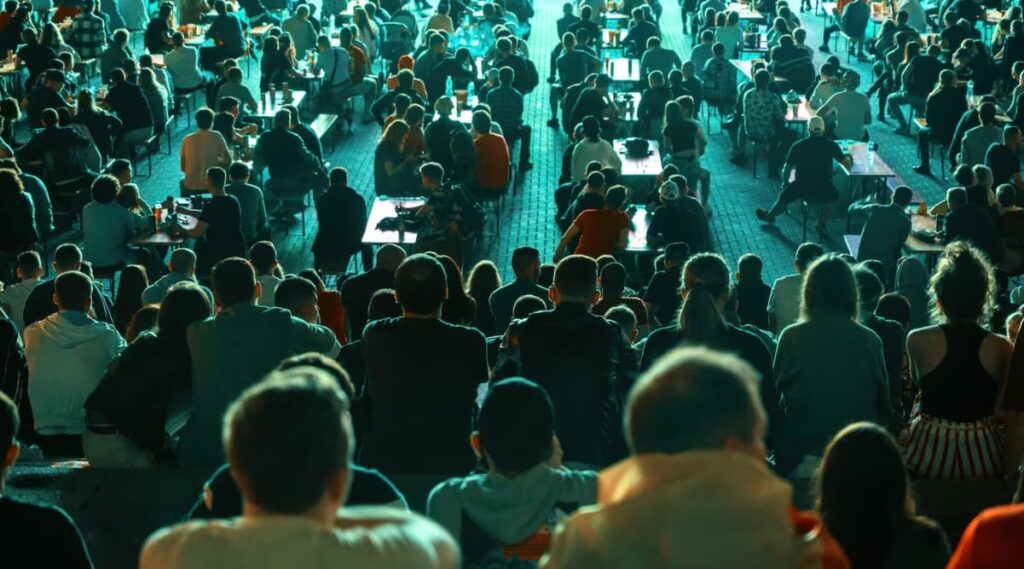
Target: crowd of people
662,408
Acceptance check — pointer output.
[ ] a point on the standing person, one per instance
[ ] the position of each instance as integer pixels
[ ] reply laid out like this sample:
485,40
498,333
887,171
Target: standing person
419,423
89,31
294,515
886,229
218,233
341,213
695,430
67,354
526,267
44,534
827,341
961,369
864,460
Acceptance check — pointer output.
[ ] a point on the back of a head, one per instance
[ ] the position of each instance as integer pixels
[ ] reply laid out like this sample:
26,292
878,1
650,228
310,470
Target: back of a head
624,317
830,289
389,257
706,280
527,305
287,438
263,256
693,399
182,260
576,279
523,259
421,285
517,425
613,279
869,286
750,266
902,196
67,257
615,197
987,113
806,253
294,294
383,305
73,290
962,288
184,304
234,281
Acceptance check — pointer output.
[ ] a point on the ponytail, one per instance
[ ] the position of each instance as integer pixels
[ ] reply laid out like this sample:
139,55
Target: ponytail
707,279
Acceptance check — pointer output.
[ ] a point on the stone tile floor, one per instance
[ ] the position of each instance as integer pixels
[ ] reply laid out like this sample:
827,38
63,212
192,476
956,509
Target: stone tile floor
527,216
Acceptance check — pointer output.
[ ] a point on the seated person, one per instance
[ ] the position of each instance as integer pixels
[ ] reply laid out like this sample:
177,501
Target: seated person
492,172
108,228
58,147
600,231
525,478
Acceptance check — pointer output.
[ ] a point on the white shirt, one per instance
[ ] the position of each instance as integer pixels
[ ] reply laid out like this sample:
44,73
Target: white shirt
13,300
290,542
334,63
587,151
183,65
67,354
784,300
269,286
853,111
200,151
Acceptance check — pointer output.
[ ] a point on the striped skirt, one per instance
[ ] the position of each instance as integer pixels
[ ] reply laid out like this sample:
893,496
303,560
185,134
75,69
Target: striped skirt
935,449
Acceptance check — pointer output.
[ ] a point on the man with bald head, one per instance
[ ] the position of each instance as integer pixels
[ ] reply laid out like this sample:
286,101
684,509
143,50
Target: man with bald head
182,269
356,291
422,376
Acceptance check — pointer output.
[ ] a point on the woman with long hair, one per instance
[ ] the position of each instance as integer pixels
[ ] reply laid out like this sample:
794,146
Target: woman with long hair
829,369
157,98
103,126
483,280
52,38
149,382
960,368
392,169
864,499
459,307
275,67
129,295
366,30
129,198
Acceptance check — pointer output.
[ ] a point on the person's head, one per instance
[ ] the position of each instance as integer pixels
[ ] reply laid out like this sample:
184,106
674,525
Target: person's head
506,75
183,262
221,7
178,39
421,286
67,257
443,107
983,180
516,427
895,307
615,197
104,188
54,78
288,440
575,281
869,287
786,41
956,198
29,266
263,257
705,290
184,304
282,119
481,121
806,253
204,118
963,286
749,268
902,196
299,296
526,263
829,289
718,50
1007,195
964,175
1011,136
72,290
613,280
431,176
762,79
695,399
625,318
483,280
234,282
414,115
49,117
216,179
383,305
389,257
987,113
602,82
799,35
395,132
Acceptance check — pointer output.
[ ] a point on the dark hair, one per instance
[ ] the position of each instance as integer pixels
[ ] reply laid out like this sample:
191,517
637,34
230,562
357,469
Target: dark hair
29,261
432,170
896,307
517,425
324,364
238,170
204,118
73,289
482,281
263,256
234,281
293,292
67,256
692,399
615,197
184,304
750,266
523,258
862,491
286,437
547,275
383,305
119,166
591,128
830,287
338,177
806,253
129,295
217,176
963,285
526,305
104,189
421,284
705,281
576,278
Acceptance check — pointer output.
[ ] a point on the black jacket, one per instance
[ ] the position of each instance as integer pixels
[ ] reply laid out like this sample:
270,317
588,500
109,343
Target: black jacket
942,111
341,213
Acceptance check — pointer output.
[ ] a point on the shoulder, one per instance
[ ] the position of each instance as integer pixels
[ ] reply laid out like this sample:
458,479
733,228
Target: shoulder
192,543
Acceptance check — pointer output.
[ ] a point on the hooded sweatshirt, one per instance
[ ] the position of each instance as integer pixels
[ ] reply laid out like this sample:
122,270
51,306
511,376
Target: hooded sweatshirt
67,353
912,284
705,509
510,509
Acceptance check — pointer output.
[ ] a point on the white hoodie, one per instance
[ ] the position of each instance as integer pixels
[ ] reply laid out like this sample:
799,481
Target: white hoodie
68,353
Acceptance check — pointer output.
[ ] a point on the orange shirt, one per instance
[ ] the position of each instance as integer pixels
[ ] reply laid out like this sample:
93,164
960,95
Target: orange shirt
414,143
599,231
361,63
992,541
492,161
332,313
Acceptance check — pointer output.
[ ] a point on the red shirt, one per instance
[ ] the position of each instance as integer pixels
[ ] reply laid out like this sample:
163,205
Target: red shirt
361,63
599,231
992,541
492,165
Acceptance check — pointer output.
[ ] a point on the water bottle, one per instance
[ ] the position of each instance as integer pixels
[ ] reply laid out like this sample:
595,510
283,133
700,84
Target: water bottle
449,90
970,91
470,93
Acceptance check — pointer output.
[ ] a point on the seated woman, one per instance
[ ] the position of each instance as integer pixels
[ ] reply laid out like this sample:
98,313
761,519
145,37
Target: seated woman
108,228
960,368
600,231
143,387
275,67
156,96
863,497
393,171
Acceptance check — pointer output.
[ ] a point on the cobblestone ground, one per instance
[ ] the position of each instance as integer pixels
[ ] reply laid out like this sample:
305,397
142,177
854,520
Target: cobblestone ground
527,217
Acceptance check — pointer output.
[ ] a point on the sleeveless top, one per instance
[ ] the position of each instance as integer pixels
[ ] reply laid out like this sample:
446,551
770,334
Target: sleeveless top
683,135
960,389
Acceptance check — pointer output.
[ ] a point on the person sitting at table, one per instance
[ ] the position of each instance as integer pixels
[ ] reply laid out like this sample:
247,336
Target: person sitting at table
405,87
658,58
290,163
572,63
974,224
182,64
18,230
200,151
650,111
586,20
780,27
250,202
684,142
944,106
977,140
234,87
730,35
440,132
440,20
678,218
720,80
918,78
45,96
226,32
600,231
507,110
108,228
275,67
1004,159
641,29
435,44
492,173
791,66
852,109
810,163
33,55
593,101
342,215
414,144
828,84
886,229
406,61
853,23
129,103
218,231
393,170
115,54
88,33
593,148
460,69
156,98
58,147
301,30
157,38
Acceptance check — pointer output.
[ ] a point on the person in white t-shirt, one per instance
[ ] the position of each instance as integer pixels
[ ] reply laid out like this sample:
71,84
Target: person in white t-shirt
263,257
784,300
200,151
293,483
12,298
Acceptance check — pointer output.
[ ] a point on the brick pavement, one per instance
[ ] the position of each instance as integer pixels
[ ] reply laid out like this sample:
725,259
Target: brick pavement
527,217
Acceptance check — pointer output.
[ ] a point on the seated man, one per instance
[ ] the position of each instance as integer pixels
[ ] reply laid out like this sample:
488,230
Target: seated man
525,478
492,172
59,148
695,427
292,167
679,217
183,66
44,534
886,229
265,461
853,22
507,110
226,32
250,202
67,354
182,268
45,96
200,151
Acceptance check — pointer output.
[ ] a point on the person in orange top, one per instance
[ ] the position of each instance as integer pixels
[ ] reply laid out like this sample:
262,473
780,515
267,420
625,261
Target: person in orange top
492,156
332,313
601,231
993,540
406,62
696,491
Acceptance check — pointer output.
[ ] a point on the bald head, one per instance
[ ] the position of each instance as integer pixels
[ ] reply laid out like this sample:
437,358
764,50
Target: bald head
389,257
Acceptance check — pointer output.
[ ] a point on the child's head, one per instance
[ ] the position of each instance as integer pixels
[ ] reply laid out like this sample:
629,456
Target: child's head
517,427
749,267
263,256
30,265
